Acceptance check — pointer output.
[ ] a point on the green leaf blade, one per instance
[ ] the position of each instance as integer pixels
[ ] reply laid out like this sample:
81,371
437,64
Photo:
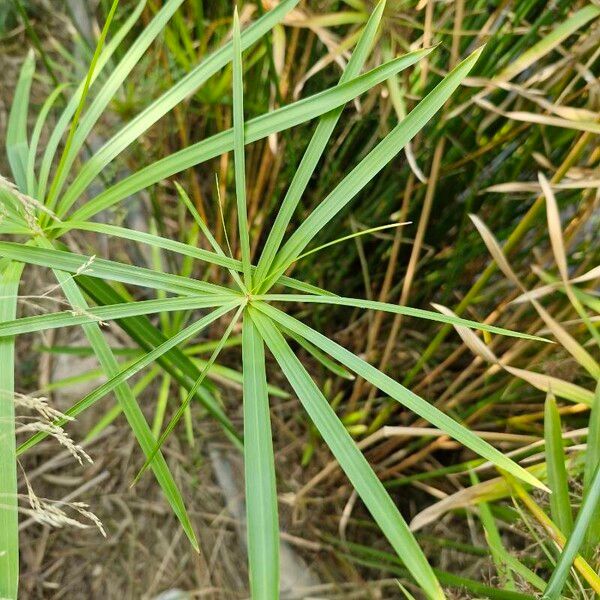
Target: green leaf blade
354,464
17,147
255,129
10,276
560,506
239,159
372,164
259,464
401,394
315,149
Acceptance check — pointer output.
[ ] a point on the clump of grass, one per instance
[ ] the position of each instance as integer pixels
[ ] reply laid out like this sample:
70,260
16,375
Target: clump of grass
241,292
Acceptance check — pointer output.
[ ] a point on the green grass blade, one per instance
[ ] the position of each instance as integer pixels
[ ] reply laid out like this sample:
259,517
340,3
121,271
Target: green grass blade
215,258
592,462
62,168
315,148
131,410
69,110
588,513
494,541
171,98
109,89
17,146
10,275
320,356
107,269
31,188
128,402
221,372
401,394
174,362
209,236
384,561
122,375
186,402
109,313
239,159
351,460
262,520
255,129
549,41
560,506
372,164
397,309
113,413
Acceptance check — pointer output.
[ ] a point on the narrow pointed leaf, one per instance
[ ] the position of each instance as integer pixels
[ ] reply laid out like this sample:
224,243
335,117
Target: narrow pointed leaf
372,164
401,394
315,148
255,129
69,110
238,151
135,367
110,313
132,411
588,514
162,105
398,309
351,460
560,506
10,275
107,269
262,520
17,146
113,83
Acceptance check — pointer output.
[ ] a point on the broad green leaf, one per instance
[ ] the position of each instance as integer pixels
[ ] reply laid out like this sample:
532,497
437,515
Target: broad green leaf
262,522
10,275
239,160
351,460
560,506
162,105
255,129
401,394
108,269
372,164
315,149
397,309
122,375
17,146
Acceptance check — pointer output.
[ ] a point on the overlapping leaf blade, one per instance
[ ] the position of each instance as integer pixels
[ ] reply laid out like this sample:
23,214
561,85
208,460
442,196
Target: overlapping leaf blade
354,464
400,394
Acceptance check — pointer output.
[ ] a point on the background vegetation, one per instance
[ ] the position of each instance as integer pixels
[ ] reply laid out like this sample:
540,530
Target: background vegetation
500,193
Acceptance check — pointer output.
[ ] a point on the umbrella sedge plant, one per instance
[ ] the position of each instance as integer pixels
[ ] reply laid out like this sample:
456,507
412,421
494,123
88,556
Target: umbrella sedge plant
48,196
